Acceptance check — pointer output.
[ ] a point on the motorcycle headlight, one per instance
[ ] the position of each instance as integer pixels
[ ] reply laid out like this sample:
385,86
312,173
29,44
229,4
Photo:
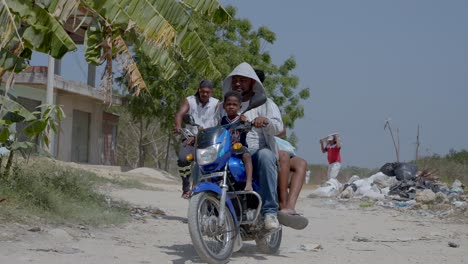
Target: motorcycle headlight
208,155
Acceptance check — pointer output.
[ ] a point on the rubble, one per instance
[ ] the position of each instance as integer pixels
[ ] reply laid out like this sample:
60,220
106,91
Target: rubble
426,196
400,186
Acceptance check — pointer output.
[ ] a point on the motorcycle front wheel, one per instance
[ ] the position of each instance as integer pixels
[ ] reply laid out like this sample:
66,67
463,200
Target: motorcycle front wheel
213,243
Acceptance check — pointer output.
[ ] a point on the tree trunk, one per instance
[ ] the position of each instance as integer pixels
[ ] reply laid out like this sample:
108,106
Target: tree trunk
6,173
141,150
167,152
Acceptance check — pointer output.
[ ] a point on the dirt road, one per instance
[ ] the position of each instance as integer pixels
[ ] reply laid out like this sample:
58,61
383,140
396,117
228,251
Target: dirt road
337,233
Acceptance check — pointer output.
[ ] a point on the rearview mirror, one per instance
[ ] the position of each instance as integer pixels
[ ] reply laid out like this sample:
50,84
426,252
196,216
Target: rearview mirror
188,119
257,100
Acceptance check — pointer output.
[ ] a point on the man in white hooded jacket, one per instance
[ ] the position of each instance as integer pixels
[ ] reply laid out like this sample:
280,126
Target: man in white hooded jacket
261,142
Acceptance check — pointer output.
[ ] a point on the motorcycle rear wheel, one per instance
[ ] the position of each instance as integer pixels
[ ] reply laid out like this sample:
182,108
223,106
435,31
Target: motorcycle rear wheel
271,243
213,243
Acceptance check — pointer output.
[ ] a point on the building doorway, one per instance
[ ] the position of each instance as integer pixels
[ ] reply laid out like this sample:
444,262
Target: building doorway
80,136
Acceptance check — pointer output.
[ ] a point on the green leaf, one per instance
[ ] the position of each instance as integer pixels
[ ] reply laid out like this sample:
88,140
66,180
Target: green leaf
45,138
21,145
143,13
164,30
12,117
9,105
35,128
9,24
10,62
193,49
4,134
92,43
43,32
159,56
60,9
210,8
304,93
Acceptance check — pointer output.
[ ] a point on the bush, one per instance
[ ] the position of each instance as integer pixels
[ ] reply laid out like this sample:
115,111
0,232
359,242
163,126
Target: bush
58,194
446,168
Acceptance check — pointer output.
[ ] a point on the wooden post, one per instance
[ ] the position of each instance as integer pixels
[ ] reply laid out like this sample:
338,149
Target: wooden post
417,144
50,97
167,152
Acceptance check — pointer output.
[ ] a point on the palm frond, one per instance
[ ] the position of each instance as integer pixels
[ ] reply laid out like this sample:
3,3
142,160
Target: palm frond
125,59
43,32
9,25
60,9
211,8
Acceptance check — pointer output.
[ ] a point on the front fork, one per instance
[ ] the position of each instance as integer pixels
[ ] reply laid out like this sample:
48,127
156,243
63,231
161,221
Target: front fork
222,206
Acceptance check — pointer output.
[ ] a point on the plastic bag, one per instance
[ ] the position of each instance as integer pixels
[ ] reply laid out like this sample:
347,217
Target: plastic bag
330,188
405,171
388,169
402,170
285,146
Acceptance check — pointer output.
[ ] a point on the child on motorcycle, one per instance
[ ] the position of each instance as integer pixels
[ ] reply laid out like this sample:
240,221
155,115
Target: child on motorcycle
232,105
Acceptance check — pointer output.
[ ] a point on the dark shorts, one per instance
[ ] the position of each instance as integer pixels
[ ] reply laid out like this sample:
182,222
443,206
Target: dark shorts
184,150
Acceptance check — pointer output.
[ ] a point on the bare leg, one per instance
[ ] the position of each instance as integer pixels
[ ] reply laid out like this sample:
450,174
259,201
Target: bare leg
298,167
247,159
283,178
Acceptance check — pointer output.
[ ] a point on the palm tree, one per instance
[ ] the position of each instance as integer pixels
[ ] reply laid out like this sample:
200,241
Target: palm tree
161,29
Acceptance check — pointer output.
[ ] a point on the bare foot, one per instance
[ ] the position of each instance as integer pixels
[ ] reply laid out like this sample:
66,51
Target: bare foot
288,211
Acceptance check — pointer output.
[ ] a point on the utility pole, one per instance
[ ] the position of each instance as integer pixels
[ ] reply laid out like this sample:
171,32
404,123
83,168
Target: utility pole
417,144
395,144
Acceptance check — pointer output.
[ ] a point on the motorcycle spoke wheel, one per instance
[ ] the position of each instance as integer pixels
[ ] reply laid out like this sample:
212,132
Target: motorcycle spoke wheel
213,243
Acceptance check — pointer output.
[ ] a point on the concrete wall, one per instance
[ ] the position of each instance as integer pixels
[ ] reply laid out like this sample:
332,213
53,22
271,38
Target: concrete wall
25,91
74,102
70,95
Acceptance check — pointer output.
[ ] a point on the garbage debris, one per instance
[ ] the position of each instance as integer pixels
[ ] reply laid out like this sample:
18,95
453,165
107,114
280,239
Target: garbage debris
400,185
453,244
401,170
331,188
139,213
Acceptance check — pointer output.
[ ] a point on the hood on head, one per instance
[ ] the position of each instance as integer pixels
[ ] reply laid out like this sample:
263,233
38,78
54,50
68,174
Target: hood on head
243,69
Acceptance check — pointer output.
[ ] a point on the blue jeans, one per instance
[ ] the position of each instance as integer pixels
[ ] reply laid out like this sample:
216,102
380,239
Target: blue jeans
265,168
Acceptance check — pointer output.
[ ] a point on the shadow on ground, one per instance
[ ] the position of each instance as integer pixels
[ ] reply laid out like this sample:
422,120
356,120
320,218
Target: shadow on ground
187,252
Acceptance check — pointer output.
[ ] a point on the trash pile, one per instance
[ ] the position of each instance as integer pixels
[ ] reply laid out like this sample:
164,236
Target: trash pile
399,185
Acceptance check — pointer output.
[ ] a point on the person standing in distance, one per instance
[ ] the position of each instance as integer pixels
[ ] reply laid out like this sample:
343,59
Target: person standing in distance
333,148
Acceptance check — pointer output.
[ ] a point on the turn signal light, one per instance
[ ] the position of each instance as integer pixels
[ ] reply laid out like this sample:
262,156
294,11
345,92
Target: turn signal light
189,157
237,146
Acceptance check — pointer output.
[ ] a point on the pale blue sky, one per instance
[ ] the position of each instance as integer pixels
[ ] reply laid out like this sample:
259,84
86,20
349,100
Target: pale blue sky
366,61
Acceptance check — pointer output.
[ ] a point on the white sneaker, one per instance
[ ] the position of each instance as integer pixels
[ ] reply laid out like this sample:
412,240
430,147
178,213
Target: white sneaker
271,222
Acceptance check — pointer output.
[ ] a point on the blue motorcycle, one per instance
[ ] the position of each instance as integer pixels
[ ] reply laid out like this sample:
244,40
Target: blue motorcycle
221,214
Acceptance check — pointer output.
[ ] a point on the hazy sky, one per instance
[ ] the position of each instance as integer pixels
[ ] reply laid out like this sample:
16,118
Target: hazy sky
366,61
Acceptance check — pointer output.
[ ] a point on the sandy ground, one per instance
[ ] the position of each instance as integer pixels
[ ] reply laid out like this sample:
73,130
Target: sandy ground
338,232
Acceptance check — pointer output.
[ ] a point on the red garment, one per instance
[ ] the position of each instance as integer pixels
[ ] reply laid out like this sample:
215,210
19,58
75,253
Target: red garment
333,153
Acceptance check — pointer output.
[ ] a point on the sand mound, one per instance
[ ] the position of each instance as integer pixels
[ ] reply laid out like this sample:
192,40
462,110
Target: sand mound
153,173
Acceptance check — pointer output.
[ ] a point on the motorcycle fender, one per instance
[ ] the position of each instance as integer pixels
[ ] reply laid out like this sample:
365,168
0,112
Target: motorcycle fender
207,187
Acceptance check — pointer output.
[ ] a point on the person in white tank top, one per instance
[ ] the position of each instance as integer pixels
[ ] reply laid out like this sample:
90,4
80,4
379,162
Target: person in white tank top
202,107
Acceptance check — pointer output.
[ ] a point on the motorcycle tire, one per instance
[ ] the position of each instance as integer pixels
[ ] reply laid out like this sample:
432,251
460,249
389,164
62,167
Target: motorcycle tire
271,243
213,244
